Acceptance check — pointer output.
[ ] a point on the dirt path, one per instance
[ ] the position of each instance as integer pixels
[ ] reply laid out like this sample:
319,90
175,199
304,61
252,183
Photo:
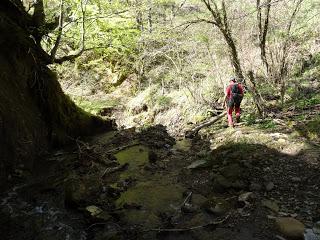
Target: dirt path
232,184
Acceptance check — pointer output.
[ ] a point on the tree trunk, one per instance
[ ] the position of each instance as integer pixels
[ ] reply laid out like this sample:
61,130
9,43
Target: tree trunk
258,100
220,20
34,111
263,26
233,53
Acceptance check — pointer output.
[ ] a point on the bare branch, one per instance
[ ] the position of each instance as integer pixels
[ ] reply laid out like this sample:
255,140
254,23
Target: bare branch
56,45
82,40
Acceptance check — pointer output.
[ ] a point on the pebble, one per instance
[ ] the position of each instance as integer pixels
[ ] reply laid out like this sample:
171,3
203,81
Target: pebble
269,186
244,197
290,227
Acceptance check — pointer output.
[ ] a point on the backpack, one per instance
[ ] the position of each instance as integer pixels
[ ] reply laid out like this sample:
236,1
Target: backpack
236,97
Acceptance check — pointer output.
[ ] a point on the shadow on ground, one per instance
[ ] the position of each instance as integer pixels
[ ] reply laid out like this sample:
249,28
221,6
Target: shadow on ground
144,184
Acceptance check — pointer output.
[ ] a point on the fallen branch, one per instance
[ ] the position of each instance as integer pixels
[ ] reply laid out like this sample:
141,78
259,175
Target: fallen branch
114,169
118,149
186,200
194,131
214,223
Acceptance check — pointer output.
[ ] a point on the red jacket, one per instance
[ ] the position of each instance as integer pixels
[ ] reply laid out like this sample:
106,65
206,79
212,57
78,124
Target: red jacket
228,90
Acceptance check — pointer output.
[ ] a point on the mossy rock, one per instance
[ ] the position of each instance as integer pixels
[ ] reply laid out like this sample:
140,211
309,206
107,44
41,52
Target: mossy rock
290,227
217,206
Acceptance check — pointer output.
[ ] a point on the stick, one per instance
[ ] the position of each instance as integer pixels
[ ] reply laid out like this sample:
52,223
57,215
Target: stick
194,131
114,169
186,200
118,149
188,229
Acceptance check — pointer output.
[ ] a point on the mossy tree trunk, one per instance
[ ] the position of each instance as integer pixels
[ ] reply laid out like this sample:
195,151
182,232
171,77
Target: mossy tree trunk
34,111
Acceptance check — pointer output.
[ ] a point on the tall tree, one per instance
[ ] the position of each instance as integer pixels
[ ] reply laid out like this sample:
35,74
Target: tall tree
34,111
263,26
220,20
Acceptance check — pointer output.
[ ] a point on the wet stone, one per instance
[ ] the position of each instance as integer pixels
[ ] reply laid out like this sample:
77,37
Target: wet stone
217,206
198,199
310,235
269,186
246,197
189,208
316,228
272,205
290,227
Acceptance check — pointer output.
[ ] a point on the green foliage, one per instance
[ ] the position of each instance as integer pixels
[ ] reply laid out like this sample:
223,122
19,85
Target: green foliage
111,36
310,129
163,101
308,102
267,124
250,118
93,106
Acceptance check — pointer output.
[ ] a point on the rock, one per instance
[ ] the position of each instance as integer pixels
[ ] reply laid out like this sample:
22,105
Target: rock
255,187
94,210
269,186
197,164
310,235
245,197
316,228
98,213
270,205
189,208
296,179
220,183
290,227
217,206
198,199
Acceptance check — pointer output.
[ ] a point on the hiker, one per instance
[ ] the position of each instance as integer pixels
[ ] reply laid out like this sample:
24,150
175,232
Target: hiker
233,98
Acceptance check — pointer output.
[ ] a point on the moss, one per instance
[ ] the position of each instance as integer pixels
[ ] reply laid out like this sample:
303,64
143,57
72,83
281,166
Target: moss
61,114
152,195
93,106
136,157
183,145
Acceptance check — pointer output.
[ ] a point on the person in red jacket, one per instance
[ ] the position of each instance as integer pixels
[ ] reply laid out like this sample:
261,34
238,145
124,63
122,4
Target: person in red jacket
233,98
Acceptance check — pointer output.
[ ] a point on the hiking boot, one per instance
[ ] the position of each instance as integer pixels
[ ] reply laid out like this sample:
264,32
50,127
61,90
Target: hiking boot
237,119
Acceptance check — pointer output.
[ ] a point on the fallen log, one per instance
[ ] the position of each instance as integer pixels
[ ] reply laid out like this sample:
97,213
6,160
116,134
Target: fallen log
193,132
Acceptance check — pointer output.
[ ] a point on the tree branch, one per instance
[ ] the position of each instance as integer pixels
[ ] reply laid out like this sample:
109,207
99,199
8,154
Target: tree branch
82,40
56,45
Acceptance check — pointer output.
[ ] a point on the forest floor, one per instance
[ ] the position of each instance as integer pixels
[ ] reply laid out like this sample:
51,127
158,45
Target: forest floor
255,181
